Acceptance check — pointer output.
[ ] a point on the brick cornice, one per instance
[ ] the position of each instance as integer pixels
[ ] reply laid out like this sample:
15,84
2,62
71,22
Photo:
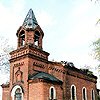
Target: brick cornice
81,75
31,47
29,51
5,85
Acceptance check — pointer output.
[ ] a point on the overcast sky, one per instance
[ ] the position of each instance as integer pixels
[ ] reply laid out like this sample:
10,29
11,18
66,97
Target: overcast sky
68,25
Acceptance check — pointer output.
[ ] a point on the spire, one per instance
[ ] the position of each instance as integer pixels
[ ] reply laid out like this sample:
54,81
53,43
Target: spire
30,20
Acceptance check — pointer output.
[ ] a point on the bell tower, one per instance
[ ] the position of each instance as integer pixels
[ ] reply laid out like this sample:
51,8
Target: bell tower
30,32
29,57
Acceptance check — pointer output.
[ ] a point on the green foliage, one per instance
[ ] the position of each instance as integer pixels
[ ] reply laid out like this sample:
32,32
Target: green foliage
87,72
97,49
98,97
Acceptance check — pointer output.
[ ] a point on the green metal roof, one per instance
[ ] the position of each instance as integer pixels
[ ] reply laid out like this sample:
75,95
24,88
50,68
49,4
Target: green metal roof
30,20
45,76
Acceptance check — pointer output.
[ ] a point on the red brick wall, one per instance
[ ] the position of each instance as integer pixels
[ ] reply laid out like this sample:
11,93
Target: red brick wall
40,91
24,70
36,91
37,65
79,83
59,91
5,93
72,78
56,70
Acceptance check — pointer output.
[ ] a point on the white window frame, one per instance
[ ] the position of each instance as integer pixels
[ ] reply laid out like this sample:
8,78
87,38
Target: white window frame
85,93
93,94
75,91
54,95
13,91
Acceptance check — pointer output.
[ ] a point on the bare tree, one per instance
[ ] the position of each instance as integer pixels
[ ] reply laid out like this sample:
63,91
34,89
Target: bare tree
95,0
5,48
96,45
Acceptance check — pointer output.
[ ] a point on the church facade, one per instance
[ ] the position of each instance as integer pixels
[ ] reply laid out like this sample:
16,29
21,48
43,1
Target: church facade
34,77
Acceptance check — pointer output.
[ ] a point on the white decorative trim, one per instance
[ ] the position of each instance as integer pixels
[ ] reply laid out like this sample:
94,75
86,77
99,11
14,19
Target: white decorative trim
54,95
13,91
71,91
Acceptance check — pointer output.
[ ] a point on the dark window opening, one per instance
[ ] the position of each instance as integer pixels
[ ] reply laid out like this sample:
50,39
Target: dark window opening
84,94
18,94
73,93
92,95
52,94
22,38
36,37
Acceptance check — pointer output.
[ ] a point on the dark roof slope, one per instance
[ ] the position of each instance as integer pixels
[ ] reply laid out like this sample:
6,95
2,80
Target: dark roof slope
30,20
45,76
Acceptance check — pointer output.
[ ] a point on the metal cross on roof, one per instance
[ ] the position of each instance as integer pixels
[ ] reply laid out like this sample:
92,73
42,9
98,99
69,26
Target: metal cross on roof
30,20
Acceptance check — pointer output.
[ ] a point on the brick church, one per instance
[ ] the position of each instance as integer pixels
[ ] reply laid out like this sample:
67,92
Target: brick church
34,77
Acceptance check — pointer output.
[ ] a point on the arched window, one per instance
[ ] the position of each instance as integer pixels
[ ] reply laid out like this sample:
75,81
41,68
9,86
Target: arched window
52,93
18,94
22,38
73,92
84,94
36,37
92,95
